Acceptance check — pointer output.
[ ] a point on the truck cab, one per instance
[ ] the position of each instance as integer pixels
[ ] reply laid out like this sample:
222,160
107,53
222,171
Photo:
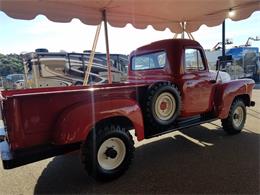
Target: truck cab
180,61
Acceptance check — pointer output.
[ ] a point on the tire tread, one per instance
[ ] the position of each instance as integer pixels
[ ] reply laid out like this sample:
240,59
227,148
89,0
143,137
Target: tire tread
227,123
88,152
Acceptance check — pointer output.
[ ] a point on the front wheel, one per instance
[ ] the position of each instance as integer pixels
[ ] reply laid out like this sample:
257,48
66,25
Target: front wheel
108,152
236,119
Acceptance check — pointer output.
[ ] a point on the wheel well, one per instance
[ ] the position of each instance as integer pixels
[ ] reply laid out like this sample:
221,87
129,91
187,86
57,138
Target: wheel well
245,98
119,120
169,82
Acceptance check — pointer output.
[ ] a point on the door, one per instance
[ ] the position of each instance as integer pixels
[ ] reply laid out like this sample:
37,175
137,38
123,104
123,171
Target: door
196,88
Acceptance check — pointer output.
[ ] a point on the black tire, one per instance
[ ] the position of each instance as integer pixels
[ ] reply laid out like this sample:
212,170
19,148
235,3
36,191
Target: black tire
95,161
154,114
235,121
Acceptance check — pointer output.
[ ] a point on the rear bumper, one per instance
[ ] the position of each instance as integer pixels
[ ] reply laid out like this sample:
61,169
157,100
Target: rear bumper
5,150
12,159
30,155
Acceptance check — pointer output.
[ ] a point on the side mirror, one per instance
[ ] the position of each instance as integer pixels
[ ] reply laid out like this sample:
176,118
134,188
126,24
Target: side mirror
223,61
225,58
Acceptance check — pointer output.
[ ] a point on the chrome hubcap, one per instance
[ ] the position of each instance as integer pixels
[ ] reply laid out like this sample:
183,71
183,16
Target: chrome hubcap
165,106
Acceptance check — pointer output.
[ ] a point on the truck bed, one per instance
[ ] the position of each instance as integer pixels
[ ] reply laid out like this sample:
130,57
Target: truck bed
31,114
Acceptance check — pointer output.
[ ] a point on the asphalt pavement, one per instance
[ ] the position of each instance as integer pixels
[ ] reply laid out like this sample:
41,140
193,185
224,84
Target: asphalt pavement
201,159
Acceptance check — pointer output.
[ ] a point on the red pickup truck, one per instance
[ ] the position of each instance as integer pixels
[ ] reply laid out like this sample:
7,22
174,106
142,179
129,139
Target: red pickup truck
169,87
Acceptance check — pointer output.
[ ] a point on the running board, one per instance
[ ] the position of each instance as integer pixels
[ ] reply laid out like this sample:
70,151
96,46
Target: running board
182,124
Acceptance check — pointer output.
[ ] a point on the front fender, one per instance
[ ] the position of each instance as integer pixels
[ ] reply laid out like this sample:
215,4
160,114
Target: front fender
227,92
74,124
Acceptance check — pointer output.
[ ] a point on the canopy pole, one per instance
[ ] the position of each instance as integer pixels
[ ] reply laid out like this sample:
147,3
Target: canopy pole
25,74
92,54
189,36
223,39
192,38
34,72
220,62
183,30
107,46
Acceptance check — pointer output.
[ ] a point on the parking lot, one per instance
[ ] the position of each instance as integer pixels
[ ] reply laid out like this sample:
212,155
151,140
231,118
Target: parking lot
201,159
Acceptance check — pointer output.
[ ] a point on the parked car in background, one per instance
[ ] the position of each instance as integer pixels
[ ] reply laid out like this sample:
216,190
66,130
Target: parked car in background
19,84
11,79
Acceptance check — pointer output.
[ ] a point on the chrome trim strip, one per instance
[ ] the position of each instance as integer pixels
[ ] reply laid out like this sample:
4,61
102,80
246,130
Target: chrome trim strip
91,89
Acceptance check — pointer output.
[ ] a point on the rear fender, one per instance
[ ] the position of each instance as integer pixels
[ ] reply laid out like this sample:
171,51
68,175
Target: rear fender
227,92
74,124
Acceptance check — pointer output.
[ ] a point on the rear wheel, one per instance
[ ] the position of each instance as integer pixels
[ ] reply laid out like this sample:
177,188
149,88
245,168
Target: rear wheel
236,119
108,152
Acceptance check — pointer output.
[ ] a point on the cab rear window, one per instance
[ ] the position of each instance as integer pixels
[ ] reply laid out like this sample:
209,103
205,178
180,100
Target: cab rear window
149,61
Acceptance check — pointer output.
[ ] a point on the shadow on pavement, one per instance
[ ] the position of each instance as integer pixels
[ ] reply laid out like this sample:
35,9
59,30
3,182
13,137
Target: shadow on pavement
198,160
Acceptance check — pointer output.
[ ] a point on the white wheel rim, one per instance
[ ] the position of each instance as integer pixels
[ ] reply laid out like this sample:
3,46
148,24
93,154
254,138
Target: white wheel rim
110,163
165,106
238,116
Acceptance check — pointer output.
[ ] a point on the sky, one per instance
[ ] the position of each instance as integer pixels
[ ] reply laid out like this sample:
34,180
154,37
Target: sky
18,36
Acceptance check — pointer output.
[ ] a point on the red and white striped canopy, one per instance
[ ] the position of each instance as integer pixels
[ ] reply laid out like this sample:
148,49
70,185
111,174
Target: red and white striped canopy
160,14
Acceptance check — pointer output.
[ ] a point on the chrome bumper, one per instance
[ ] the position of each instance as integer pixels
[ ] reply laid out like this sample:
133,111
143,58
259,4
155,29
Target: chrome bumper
4,145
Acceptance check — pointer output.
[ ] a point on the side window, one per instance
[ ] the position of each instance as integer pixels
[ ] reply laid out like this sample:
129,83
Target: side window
161,59
143,63
149,61
193,60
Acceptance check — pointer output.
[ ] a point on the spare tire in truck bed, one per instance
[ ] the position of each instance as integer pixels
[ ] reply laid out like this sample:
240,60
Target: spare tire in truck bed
163,104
